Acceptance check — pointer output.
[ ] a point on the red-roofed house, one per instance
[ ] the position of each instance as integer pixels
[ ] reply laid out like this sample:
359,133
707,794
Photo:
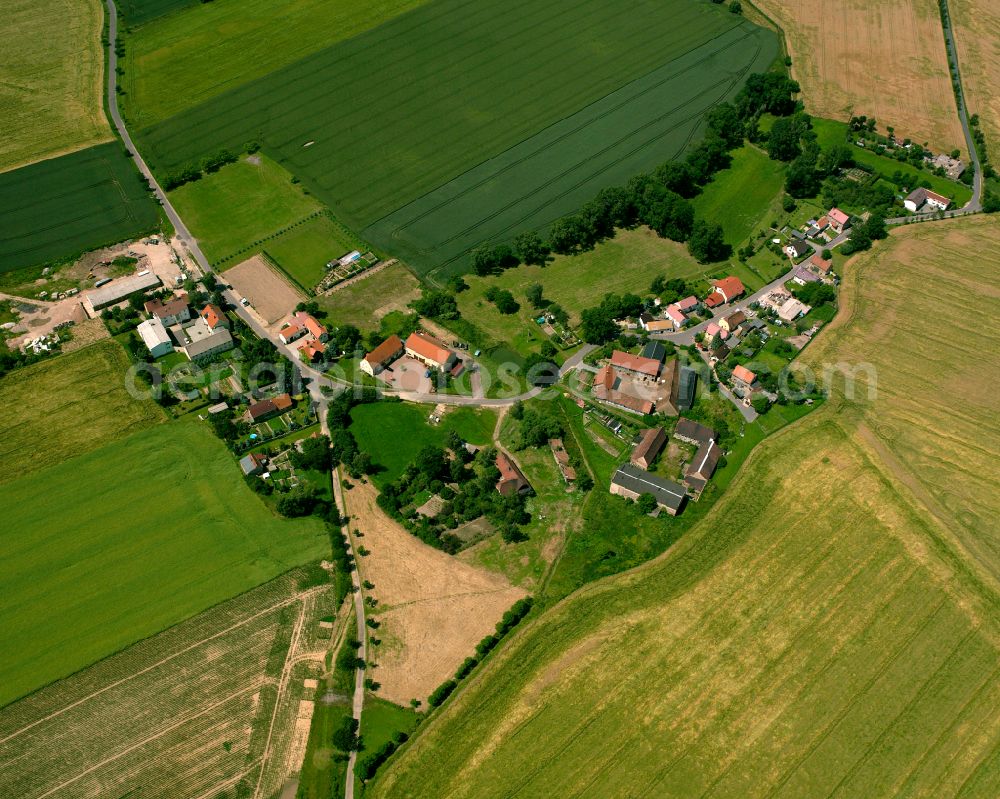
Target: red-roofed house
820,264
214,317
838,220
172,312
822,223
687,305
606,390
743,377
384,354
265,409
312,351
636,364
430,352
676,316
313,327
290,332
729,288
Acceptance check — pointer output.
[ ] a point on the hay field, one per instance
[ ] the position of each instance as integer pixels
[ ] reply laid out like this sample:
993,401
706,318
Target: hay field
56,209
976,23
67,406
115,545
51,73
474,119
179,60
823,632
432,608
923,314
882,58
205,706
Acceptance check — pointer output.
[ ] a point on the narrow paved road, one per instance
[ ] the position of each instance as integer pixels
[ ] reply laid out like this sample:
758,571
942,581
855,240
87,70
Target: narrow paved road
183,233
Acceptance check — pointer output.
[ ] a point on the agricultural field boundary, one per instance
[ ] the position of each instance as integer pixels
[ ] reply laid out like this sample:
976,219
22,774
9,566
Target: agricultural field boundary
442,225
256,623
361,190
56,209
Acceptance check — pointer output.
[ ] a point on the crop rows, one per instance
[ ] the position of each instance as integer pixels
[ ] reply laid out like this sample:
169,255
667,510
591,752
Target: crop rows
396,112
554,172
63,206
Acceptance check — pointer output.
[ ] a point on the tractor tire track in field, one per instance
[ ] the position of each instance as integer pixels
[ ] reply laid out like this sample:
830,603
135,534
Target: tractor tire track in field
562,137
167,659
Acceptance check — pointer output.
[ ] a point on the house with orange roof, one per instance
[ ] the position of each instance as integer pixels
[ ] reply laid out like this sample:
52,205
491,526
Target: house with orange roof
312,351
311,325
725,290
290,332
384,354
743,377
214,317
512,481
430,352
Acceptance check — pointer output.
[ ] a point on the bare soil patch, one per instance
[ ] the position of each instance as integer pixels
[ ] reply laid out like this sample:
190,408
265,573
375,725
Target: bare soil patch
432,608
270,294
882,58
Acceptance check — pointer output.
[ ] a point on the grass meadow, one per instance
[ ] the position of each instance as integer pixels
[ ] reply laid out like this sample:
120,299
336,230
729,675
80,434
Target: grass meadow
364,303
241,204
534,106
67,406
394,432
738,197
51,96
62,207
803,641
178,60
304,251
136,536
626,263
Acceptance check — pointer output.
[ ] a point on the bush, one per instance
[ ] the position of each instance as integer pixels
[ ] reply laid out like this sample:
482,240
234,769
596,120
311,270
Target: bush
442,692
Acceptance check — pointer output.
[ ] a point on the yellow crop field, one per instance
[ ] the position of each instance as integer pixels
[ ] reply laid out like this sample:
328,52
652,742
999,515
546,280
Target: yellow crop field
51,73
977,25
830,629
881,58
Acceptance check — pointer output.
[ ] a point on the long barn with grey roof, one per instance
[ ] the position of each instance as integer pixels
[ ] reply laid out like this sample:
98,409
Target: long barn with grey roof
632,482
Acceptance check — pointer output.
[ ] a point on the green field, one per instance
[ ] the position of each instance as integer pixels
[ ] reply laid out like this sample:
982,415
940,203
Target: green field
61,207
66,406
815,647
51,95
532,111
394,432
180,60
737,198
135,537
139,12
241,204
830,133
626,263
304,251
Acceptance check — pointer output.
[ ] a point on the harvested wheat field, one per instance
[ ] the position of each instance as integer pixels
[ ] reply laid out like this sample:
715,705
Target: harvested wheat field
922,313
881,58
270,294
977,25
432,608
823,632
